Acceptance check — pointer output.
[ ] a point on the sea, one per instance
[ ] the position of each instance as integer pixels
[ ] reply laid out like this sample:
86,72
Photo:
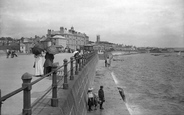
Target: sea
153,83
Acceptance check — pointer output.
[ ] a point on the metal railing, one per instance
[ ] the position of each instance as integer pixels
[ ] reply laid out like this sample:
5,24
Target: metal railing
80,62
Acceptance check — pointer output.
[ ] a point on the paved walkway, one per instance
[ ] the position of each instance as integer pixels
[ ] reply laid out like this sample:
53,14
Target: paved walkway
114,105
11,70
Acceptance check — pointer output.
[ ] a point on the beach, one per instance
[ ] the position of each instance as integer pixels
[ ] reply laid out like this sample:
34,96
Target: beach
153,83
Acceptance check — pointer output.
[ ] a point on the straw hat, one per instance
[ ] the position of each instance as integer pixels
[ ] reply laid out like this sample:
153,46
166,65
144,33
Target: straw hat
90,89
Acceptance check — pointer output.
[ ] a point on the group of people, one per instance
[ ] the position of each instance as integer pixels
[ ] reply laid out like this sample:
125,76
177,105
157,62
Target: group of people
41,67
10,52
94,99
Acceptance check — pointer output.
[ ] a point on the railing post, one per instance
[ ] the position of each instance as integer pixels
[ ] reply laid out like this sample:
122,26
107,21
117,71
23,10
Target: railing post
26,78
80,68
0,102
85,58
76,66
81,61
65,84
71,69
54,100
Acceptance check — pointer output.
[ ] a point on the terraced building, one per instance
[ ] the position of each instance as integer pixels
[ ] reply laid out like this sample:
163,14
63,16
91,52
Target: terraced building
74,39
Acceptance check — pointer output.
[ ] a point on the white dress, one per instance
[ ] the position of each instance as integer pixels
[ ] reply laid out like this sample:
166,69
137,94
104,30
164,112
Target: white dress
38,65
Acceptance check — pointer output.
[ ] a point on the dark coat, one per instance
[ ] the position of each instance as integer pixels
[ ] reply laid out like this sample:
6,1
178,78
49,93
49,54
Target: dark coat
49,58
101,94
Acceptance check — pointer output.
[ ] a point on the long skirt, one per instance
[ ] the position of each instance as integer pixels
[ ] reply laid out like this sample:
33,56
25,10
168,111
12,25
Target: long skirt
39,65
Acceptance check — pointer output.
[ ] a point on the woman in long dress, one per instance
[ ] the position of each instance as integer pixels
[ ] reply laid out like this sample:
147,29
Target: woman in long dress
38,64
49,58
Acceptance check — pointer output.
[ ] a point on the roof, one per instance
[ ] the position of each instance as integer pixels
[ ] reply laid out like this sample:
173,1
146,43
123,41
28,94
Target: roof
44,39
55,32
27,40
58,46
58,36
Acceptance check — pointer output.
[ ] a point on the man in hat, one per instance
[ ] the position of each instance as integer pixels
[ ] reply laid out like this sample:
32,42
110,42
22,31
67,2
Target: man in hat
101,97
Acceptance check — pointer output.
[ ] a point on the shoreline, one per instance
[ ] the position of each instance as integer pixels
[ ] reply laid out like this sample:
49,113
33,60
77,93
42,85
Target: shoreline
144,78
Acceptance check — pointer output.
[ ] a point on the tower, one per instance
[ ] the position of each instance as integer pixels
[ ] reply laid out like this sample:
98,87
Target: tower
98,38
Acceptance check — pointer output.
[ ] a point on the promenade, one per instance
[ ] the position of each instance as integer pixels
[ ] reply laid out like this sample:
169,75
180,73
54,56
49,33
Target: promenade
11,71
113,105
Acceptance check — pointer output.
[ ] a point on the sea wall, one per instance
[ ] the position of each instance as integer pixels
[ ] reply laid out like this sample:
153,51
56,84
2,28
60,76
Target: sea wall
76,99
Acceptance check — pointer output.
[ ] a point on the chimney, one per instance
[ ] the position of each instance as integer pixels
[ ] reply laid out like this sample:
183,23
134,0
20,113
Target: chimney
62,29
49,33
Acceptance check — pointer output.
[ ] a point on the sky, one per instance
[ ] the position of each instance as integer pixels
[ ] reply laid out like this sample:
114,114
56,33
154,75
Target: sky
142,23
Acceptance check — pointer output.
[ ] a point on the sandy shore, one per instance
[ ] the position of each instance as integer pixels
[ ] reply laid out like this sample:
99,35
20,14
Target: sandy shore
114,105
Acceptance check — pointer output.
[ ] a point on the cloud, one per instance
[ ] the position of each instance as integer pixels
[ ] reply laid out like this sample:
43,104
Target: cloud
137,22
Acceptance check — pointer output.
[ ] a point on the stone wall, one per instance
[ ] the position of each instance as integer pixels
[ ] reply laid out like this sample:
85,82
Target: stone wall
76,100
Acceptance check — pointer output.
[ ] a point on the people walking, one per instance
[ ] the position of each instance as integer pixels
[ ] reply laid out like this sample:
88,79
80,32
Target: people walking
101,97
49,58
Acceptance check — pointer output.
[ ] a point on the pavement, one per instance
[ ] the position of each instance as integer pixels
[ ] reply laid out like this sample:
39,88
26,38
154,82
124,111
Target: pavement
11,70
114,104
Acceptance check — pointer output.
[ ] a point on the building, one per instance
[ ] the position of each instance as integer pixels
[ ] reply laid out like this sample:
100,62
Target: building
26,45
46,42
74,39
102,46
59,40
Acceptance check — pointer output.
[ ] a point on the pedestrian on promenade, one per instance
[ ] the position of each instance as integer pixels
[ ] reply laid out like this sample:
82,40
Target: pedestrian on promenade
108,62
105,62
77,55
90,99
38,64
101,97
49,58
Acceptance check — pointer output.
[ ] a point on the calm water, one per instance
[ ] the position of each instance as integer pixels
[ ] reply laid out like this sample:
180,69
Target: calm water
153,84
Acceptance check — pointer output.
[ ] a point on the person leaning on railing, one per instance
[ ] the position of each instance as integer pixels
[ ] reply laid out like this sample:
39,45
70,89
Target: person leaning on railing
77,56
